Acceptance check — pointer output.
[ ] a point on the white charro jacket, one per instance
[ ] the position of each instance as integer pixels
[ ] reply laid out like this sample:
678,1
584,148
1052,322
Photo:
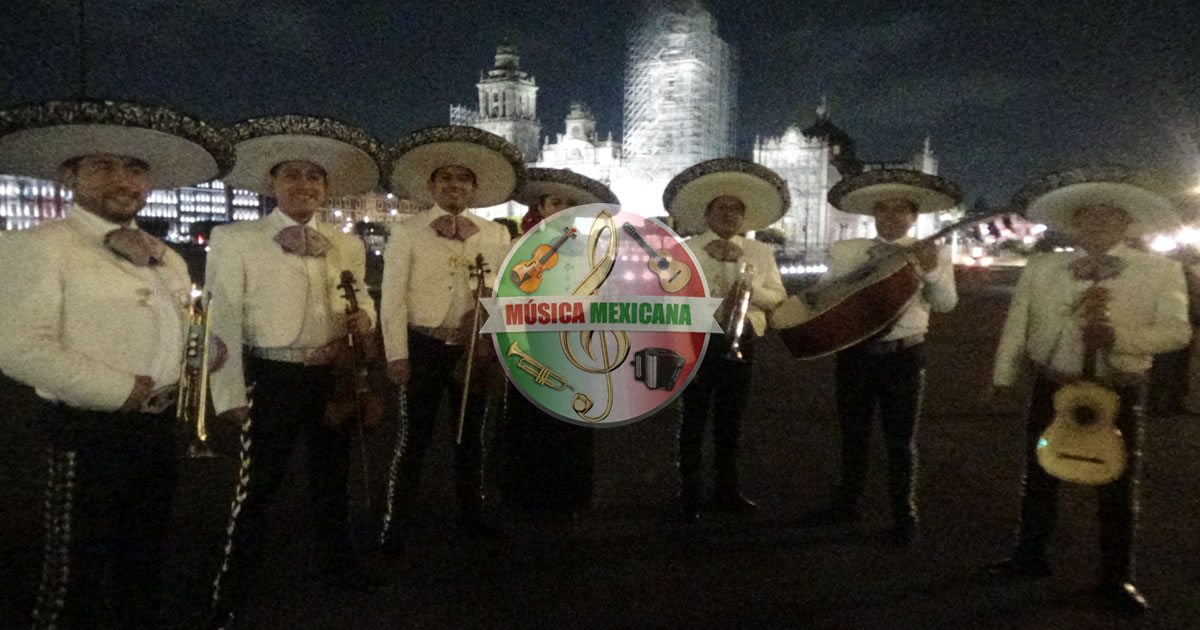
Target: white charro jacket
79,322
1147,307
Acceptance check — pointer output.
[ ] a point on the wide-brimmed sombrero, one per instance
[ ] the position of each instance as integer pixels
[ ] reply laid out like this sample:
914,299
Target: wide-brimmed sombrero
580,190
35,140
497,164
761,190
350,156
1052,199
858,194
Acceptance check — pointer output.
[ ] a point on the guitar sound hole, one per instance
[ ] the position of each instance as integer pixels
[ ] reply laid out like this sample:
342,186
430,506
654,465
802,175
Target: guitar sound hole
662,264
1084,416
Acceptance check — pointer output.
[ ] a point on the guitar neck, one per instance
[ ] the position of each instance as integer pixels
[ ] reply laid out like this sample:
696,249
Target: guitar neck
964,223
632,232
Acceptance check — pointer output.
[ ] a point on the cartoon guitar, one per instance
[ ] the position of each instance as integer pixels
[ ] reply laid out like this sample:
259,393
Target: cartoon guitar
672,274
527,275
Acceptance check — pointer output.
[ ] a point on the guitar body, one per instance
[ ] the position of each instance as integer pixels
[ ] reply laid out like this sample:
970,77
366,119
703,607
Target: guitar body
1083,445
835,315
672,274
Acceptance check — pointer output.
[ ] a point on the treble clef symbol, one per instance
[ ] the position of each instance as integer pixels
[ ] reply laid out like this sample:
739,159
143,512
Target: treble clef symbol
581,402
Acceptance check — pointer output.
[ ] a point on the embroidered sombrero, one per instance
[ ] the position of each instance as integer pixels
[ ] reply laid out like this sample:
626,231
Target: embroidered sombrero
36,139
1052,199
497,164
858,194
761,190
578,189
351,157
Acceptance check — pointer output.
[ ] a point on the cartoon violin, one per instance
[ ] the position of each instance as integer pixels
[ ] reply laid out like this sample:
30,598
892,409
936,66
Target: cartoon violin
527,275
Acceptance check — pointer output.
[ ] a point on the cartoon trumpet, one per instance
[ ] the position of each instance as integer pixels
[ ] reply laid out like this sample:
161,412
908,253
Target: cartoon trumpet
542,375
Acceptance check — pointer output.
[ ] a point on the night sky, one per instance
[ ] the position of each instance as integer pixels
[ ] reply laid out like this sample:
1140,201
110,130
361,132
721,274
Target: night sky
1005,89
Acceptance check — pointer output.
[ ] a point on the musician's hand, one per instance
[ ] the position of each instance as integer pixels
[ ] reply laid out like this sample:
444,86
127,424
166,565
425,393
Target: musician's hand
1099,335
218,352
358,322
399,371
143,387
236,416
927,255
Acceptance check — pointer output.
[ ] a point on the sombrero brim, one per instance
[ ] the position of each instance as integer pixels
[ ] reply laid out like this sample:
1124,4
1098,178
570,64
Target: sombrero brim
497,165
351,157
860,193
1053,198
578,189
863,200
35,140
348,169
1150,211
761,190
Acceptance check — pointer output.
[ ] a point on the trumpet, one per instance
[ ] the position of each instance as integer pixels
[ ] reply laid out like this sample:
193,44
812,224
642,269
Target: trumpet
741,307
192,405
542,375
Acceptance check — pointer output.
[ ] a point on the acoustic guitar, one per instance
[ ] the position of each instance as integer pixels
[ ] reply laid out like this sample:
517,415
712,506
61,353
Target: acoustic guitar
840,313
527,275
1083,445
672,274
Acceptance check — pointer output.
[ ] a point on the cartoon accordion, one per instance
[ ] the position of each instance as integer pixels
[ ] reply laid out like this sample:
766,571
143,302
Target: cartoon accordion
658,368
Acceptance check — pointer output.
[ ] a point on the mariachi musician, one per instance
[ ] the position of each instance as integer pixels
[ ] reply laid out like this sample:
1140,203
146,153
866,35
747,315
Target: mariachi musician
1125,306
721,200
94,315
888,369
549,462
274,284
428,302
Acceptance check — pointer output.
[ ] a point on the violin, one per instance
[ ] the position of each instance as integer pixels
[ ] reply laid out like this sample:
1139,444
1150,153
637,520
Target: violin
527,275
354,400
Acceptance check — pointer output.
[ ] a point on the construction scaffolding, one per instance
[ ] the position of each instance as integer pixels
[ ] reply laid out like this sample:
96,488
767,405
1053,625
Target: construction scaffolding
680,88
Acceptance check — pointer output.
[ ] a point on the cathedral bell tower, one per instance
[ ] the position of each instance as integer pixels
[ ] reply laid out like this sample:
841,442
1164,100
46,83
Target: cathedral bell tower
508,102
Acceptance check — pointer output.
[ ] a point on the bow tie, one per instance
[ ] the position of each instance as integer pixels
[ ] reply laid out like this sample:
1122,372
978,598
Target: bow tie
723,250
302,240
136,246
1097,268
883,250
457,227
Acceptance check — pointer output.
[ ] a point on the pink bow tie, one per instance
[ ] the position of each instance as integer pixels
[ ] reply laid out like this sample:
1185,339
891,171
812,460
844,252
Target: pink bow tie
302,240
457,227
136,246
723,250
1097,268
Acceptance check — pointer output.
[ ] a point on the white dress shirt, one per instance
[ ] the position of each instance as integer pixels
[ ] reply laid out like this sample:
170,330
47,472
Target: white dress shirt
80,322
767,287
317,328
1147,309
938,292
426,280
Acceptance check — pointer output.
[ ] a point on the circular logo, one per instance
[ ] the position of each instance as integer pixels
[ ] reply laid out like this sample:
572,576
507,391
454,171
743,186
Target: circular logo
600,316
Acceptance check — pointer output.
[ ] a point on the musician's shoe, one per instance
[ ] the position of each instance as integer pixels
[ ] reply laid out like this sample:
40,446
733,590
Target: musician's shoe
1122,598
1018,567
733,501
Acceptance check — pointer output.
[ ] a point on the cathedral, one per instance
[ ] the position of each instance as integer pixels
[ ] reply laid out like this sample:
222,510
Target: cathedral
680,108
